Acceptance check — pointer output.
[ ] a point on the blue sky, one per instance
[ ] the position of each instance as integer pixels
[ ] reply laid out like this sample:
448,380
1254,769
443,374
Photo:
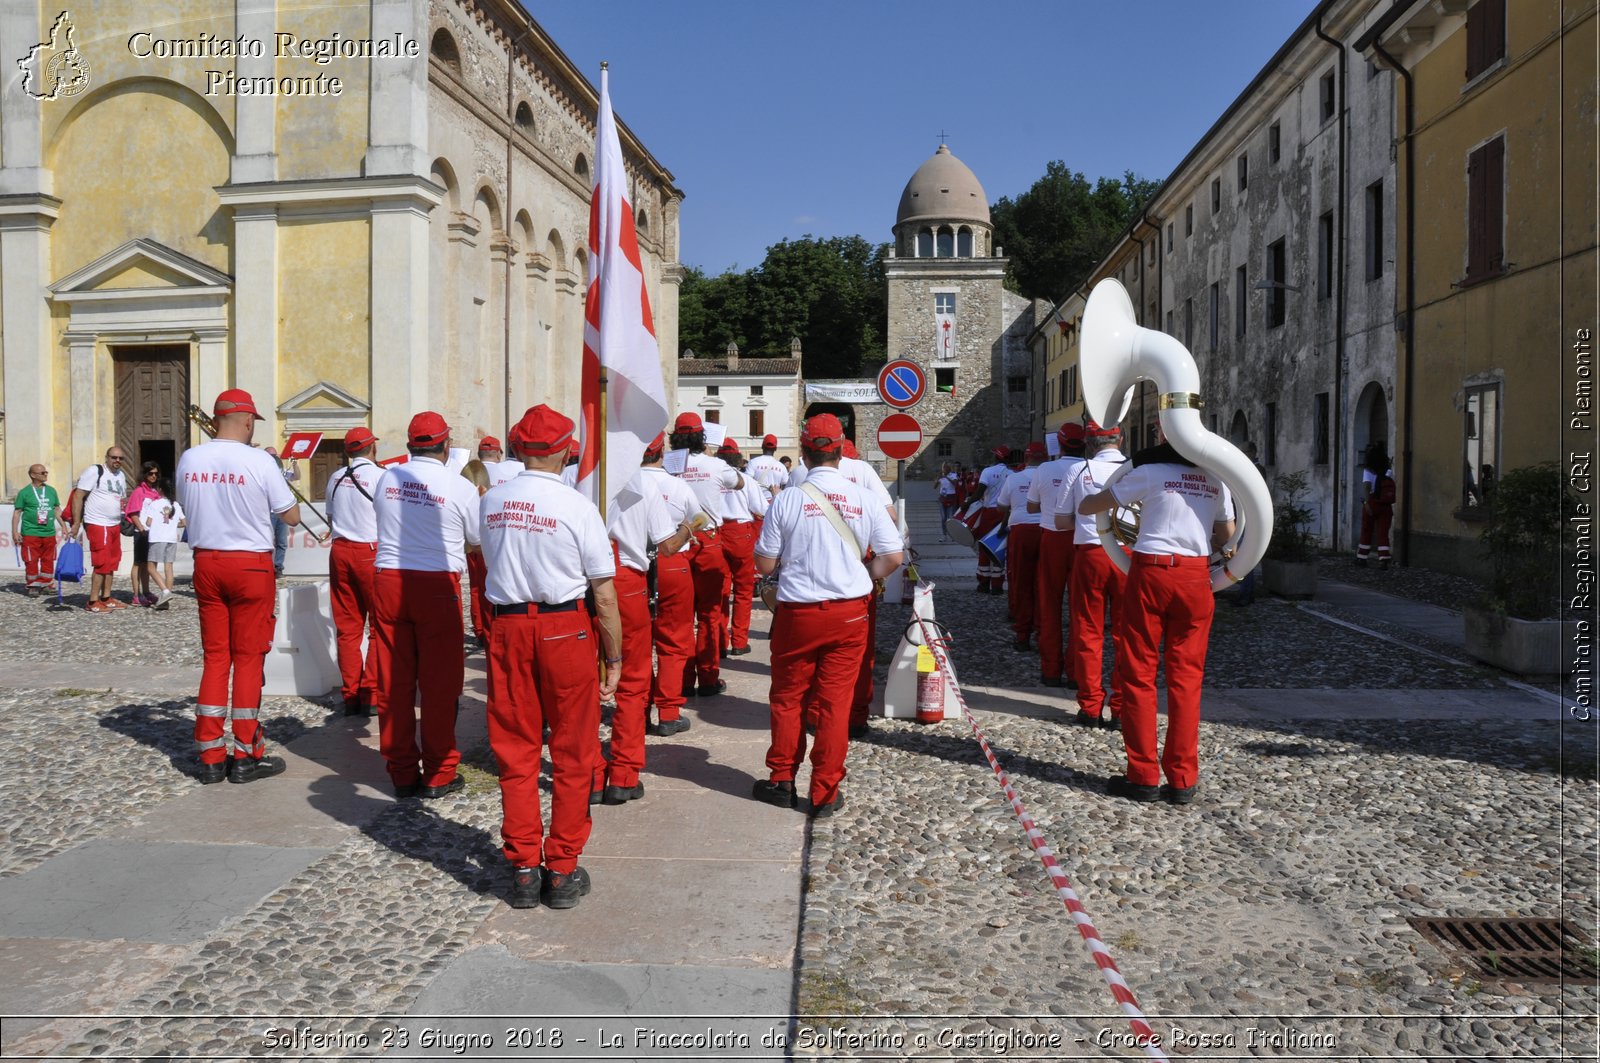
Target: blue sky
779,119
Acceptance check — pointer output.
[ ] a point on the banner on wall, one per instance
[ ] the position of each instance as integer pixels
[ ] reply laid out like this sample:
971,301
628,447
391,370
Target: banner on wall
852,391
944,341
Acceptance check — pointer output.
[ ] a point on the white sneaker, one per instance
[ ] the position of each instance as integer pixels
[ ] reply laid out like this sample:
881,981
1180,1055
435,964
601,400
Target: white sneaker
163,601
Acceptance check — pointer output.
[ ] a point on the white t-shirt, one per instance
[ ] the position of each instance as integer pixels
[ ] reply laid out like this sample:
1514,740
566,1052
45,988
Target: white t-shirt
639,518
1048,483
1180,503
501,471
106,491
350,512
757,497
993,478
1090,479
817,565
230,491
767,471
569,476
1014,493
160,516
947,485
865,476
797,475
427,513
542,541
707,476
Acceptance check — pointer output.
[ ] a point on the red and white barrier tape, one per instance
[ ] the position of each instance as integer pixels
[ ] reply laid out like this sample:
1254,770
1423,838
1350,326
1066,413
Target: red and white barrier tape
1146,1037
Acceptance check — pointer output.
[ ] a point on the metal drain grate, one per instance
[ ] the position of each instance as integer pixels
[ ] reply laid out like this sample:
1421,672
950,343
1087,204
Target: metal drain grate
1515,950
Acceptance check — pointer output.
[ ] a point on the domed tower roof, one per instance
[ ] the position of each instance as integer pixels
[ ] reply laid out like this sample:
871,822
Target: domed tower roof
943,189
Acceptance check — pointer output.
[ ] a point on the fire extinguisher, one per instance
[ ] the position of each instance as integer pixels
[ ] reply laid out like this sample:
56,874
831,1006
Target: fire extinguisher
930,688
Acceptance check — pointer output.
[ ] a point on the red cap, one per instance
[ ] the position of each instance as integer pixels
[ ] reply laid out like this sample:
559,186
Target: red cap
1071,436
1035,450
850,450
822,432
729,446
573,447
688,421
358,438
427,429
488,443
541,433
1001,453
657,445
769,441
235,400
1094,431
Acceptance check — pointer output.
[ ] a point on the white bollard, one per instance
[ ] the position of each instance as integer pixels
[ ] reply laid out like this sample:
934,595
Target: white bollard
899,699
304,658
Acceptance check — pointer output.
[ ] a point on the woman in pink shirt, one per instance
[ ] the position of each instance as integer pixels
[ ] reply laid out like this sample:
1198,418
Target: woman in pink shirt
146,489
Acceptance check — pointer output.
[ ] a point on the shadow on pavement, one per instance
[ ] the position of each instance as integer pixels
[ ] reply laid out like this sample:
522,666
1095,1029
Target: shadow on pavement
168,727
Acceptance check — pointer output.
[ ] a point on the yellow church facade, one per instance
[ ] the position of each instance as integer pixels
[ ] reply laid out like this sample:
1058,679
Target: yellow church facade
355,211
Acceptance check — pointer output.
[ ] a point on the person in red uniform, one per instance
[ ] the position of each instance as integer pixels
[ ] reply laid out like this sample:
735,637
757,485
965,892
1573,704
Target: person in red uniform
821,623
1167,599
742,510
674,619
545,547
1056,554
427,519
490,454
230,492
991,575
864,476
706,476
1096,585
643,522
352,565
1022,546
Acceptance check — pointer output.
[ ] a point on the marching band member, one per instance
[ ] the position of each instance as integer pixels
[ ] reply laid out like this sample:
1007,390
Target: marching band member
1022,546
1096,583
766,469
491,456
1167,599
427,518
991,576
742,509
820,533
674,620
545,546
231,492
352,565
706,476
864,476
1056,553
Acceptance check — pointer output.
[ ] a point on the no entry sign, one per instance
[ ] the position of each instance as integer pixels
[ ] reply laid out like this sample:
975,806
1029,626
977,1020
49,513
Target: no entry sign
899,436
902,383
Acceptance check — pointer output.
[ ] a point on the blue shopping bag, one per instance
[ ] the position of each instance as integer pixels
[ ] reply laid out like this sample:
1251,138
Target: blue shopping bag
69,565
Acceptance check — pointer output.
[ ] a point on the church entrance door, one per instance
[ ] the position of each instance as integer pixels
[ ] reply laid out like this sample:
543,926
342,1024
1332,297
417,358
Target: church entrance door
152,404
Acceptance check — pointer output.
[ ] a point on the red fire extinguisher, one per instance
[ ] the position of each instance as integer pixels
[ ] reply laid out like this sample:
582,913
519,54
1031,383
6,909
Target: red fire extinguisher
930,688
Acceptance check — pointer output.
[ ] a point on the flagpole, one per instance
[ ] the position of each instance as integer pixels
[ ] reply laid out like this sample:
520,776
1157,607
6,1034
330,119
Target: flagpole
604,391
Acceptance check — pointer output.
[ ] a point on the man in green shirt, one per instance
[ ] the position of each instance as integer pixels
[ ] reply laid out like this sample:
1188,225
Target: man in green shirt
34,517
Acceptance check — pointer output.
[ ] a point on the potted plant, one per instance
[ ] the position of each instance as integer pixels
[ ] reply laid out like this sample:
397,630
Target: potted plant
1290,566
1516,625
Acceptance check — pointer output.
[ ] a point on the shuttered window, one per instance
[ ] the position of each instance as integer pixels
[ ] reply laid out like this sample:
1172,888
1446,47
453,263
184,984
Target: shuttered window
1486,211
1486,36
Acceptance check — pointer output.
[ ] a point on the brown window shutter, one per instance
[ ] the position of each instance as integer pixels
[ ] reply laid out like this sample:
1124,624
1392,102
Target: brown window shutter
1476,257
1494,205
1494,31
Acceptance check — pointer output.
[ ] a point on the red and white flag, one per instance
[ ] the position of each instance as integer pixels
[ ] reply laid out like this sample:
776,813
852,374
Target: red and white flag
1061,322
619,336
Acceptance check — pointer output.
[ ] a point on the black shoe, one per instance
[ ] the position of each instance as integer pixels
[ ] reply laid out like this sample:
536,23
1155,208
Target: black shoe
1111,723
454,786
563,891
711,690
249,769
596,796
668,728
1087,719
621,795
210,773
722,653
690,690
738,651
824,811
776,793
1072,684
1052,681
1119,786
406,791
1173,795
355,706
1022,645
526,883
858,730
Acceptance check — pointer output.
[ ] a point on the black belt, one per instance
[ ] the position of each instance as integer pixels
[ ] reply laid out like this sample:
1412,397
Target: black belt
536,608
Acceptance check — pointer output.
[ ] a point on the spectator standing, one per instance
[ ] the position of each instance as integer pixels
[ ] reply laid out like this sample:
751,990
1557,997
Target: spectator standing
161,522
97,511
143,491
35,528
1377,502
949,486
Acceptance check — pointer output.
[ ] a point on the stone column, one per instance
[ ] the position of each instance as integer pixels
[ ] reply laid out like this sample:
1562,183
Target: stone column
399,314
499,378
25,336
255,317
21,146
256,124
81,402
397,101
211,373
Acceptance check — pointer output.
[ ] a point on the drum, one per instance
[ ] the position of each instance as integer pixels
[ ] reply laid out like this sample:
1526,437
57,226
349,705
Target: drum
960,528
995,543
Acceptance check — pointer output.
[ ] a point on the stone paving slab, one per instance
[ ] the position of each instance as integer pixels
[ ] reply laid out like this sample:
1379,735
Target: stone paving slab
61,977
165,893
708,823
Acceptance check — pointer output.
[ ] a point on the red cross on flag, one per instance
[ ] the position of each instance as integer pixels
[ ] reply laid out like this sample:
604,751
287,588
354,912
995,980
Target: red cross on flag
619,336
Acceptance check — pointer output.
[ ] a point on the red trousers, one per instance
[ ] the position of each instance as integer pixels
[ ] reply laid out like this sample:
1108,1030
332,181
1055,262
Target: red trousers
861,700
351,575
710,568
739,548
237,591
1056,554
38,558
1022,565
1097,584
990,574
482,609
674,629
1375,521
633,685
543,672
417,620
816,661
1172,604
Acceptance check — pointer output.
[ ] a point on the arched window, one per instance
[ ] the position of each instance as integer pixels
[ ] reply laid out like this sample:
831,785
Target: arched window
925,243
643,222
946,245
444,49
525,118
964,242
1240,430
581,166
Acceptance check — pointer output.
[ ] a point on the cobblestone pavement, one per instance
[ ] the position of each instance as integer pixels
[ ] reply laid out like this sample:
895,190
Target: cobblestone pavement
1272,911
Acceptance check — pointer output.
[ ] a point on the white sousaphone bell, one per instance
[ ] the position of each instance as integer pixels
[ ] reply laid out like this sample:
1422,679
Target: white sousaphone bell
1117,353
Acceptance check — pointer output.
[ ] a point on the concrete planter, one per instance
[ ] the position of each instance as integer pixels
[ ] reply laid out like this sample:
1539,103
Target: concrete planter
1291,579
1523,647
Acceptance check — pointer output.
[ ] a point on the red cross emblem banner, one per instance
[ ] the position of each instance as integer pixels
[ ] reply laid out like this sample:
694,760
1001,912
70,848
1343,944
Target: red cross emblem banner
944,337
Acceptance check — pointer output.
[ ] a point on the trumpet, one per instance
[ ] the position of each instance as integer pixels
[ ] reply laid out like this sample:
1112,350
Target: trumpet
1117,354
208,425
